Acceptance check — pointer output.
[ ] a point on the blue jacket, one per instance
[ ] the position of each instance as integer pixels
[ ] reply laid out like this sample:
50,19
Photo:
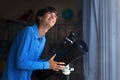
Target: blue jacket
24,55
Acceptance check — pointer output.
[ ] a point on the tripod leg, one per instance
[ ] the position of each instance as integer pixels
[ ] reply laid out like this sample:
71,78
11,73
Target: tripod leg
67,77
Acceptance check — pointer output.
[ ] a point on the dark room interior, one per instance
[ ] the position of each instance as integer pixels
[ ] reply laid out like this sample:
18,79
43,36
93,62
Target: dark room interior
15,15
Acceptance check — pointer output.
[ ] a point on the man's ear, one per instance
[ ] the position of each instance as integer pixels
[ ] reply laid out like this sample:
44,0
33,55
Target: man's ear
39,17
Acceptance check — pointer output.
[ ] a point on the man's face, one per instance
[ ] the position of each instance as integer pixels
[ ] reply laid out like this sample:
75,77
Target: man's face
49,19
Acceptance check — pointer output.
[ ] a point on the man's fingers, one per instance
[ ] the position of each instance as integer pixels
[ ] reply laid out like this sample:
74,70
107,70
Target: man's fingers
53,57
60,63
56,65
60,67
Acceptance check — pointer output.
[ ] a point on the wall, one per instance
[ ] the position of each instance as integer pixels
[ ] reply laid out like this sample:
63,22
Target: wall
12,9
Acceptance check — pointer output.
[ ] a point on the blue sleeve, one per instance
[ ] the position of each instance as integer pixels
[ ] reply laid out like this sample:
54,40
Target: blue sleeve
22,59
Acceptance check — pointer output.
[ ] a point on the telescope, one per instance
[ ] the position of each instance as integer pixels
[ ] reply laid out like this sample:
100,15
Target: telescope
72,49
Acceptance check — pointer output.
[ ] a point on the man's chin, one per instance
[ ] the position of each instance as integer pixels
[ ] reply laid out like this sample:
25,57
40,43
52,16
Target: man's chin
51,26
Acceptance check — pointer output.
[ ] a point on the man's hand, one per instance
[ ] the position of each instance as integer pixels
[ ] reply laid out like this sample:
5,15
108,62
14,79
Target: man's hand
55,65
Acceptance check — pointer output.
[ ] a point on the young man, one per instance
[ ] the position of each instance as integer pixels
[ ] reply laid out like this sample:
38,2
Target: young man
27,48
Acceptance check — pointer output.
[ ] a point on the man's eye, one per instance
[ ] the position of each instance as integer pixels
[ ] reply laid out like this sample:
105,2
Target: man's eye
55,16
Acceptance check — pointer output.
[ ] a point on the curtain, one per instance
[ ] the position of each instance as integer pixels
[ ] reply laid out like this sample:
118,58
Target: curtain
98,32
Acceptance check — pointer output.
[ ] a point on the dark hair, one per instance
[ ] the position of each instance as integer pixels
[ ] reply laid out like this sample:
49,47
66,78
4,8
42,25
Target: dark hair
43,11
